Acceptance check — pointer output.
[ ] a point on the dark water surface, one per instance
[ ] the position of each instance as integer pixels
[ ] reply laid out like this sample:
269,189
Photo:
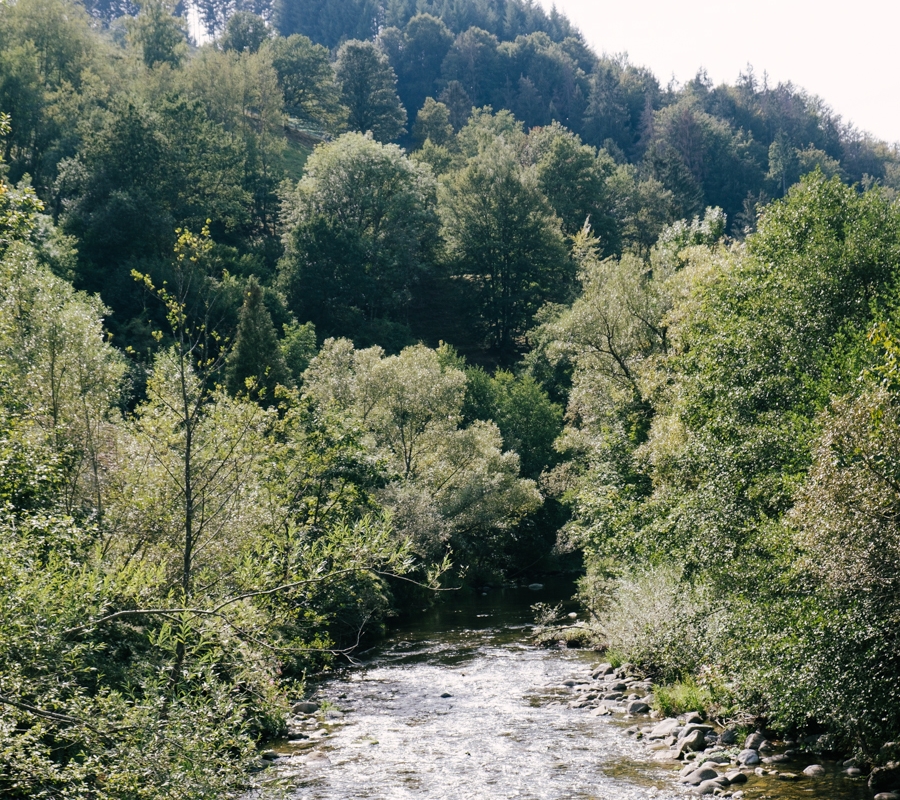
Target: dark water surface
504,731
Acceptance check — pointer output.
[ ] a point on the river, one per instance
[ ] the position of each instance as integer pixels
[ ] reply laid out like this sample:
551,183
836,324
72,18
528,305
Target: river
460,705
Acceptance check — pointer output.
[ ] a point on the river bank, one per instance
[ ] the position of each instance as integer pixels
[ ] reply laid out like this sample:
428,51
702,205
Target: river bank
725,761
461,704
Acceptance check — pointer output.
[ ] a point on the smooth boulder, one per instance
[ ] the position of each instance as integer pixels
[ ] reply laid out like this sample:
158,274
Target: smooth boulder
694,740
661,730
697,777
753,742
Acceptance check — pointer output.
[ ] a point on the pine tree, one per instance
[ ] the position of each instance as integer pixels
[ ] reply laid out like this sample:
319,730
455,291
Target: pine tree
369,90
256,355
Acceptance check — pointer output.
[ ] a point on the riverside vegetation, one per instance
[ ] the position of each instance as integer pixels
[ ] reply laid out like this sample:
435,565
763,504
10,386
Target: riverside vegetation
274,367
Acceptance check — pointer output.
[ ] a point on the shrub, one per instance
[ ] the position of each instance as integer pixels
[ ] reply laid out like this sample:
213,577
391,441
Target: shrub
653,619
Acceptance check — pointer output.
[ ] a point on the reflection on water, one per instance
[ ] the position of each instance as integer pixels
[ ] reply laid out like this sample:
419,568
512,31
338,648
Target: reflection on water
458,705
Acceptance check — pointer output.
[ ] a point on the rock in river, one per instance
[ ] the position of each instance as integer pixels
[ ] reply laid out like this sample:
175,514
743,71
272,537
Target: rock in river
663,729
697,777
754,740
886,778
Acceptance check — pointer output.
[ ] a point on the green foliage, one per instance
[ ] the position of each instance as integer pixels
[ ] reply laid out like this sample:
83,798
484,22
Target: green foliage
368,91
654,620
244,31
504,242
158,34
433,124
760,475
528,421
682,697
255,363
359,231
307,81
167,550
416,54
298,347
450,485
574,177
67,376
146,616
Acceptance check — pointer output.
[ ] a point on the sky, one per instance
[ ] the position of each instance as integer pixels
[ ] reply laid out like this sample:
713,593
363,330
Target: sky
847,54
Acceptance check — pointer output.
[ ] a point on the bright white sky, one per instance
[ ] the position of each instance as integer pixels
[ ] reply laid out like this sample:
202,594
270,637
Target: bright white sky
846,53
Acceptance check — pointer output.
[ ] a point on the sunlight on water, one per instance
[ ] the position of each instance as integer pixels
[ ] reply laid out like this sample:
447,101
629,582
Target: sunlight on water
459,705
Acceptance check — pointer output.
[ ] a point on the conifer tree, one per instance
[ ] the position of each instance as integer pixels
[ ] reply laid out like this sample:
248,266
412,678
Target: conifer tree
369,90
256,355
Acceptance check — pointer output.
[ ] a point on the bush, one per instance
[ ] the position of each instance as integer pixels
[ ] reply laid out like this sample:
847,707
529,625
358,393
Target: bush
678,698
653,619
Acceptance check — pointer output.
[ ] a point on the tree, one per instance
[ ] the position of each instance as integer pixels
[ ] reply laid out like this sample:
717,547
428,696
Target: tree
240,93
452,484
53,347
542,82
158,33
202,464
307,81
642,208
416,54
48,56
368,90
359,230
702,160
574,177
433,123
298,348
528,421
244,31
505,242
473,64
143,173
255,364
328,22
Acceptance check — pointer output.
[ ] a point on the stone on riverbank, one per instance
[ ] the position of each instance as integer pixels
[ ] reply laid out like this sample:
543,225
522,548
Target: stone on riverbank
748,757
692,740
697,777
754,741
667,727
814,771
708,787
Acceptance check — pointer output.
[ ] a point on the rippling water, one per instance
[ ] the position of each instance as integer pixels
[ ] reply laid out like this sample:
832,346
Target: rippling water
504,731
460,706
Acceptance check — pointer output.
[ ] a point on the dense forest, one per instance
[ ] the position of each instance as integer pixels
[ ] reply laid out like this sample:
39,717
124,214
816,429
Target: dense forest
357,301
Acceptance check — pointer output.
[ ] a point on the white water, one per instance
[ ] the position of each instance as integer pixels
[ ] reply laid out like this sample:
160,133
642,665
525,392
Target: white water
505,731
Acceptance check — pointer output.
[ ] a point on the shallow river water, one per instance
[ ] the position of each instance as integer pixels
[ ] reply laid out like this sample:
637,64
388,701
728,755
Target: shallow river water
460,705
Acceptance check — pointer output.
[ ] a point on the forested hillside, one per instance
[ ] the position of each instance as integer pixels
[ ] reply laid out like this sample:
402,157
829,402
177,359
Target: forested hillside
354,302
